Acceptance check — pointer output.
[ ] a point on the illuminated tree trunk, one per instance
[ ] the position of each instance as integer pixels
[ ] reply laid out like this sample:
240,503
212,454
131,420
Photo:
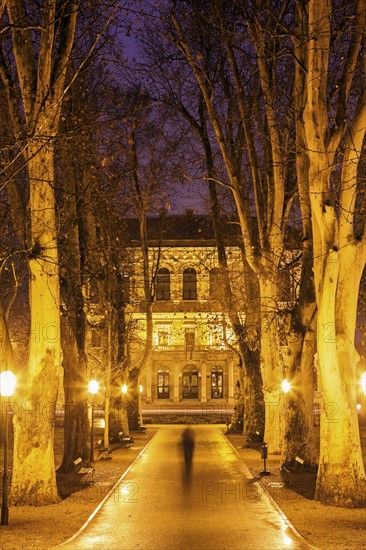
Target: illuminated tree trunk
298,440
271,365
133,397
108,377
118,413
250,396
341,475
34,101
118,363
73,318
76,441
254,411
141,197
34,479
7,360
340,254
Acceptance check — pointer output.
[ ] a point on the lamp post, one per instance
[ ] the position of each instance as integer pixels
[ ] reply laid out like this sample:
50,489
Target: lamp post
93,389
7,386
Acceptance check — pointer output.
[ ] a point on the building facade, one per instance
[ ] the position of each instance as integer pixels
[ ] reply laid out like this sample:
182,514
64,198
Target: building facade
193,361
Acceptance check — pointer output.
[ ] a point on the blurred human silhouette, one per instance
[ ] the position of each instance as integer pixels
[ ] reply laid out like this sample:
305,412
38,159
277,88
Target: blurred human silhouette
188,444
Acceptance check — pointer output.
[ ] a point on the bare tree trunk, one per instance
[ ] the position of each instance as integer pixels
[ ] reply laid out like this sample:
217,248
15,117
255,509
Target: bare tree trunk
251,396
254,409
133,402
301,341
76,427
299,438
271,364
34,102
341,474
108,377
73,324
7,359
73,332
140,198
118,412
340,254
34,479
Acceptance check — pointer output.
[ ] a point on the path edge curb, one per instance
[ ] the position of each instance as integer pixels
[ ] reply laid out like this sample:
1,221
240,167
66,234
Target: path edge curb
106,497
278,508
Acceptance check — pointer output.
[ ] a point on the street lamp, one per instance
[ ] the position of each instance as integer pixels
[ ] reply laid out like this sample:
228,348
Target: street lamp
363,382
286,386
7,386
124,389
93,389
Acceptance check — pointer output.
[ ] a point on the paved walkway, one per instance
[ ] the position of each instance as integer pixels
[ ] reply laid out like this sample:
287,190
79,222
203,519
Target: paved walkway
155,507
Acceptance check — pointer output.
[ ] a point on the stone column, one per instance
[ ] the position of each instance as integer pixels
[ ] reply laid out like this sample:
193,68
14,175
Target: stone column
230,397
176,383
203,383
148,384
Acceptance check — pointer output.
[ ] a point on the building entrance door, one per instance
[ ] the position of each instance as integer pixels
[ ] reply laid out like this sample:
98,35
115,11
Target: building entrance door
163,384
190,385
217,384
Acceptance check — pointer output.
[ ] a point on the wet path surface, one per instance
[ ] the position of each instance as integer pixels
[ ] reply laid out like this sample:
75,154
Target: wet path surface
156,507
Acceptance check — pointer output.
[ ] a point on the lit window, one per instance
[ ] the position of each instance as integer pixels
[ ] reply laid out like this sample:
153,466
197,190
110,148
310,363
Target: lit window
189,284
189,337
163,335
216,336
163,284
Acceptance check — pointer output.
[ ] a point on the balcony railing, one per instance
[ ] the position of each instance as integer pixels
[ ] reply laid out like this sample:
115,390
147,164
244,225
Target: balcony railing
190,348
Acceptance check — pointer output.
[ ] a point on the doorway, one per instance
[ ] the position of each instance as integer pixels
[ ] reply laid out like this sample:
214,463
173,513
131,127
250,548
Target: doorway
163,384
217,391
190,384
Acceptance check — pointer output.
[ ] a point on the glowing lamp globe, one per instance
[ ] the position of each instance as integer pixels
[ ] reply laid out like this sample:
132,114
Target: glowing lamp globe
93,387
7,383
363,382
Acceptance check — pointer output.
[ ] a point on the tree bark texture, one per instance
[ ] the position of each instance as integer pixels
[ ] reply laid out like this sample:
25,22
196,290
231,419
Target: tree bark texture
271,364
339,254
34,480
73,321
299,438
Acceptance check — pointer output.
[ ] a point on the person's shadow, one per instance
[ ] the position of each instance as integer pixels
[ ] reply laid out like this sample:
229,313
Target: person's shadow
188,444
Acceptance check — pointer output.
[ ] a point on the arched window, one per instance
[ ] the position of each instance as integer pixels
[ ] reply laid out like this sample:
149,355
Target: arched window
189,284
163,284
215,283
